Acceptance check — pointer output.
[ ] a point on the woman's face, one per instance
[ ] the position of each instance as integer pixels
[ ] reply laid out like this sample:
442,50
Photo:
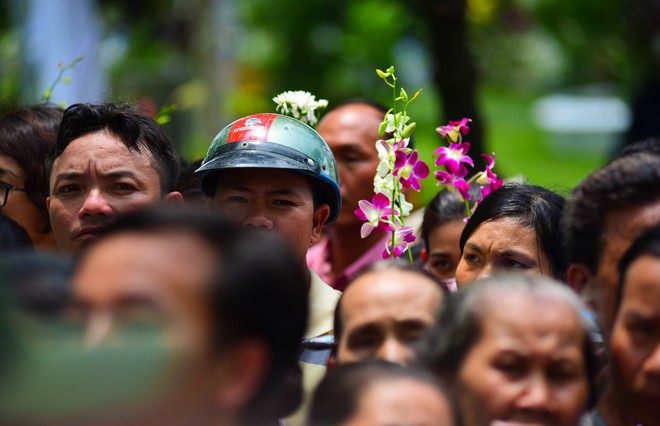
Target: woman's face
19,207
525,371
501,244
444,249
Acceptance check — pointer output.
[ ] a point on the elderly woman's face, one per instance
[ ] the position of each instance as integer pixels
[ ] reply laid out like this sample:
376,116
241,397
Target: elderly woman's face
528,365
19,207
501,244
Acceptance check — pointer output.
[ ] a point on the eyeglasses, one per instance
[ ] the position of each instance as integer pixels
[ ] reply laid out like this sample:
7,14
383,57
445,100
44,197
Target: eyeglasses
6,188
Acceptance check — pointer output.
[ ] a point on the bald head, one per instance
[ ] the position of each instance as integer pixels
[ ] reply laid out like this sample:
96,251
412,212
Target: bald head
383,313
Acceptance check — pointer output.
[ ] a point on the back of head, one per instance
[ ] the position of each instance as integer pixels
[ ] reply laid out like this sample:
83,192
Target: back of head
532,206
137,131
27,134
337,397
630,180
13,237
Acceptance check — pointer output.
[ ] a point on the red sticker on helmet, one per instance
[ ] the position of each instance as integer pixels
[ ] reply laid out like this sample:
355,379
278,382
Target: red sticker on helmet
251,128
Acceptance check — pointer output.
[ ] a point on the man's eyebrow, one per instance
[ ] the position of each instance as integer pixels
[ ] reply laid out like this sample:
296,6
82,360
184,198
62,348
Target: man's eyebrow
473,247
283,191
67,176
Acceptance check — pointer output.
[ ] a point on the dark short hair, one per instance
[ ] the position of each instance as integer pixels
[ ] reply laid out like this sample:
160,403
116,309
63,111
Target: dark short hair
337,396
27,134
383,265
443,208
461,320
533,206
648,244
628,181
258,290
136,130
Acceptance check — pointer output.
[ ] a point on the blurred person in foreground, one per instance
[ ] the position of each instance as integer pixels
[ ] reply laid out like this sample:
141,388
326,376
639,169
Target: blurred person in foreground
384,313
276,174
231,306
515,349
515,228
108,160
380,393
27,134
632,396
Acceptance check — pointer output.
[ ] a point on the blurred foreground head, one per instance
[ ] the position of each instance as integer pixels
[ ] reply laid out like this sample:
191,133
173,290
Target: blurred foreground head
228,306
380,393
515,348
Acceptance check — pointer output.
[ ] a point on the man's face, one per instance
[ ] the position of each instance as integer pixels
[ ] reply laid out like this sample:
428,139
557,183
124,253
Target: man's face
622,227
95,179
272,199
383,318
635,344
351,132
139,282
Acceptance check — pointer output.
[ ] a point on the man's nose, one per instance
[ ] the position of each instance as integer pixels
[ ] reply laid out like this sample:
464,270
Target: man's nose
394,351
257,217
95,204
98,329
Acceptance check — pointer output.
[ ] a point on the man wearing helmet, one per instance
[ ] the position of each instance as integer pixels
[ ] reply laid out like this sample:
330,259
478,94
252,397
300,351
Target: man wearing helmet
274,172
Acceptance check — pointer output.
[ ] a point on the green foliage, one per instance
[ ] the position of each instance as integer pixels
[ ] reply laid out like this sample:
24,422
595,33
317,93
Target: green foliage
45,97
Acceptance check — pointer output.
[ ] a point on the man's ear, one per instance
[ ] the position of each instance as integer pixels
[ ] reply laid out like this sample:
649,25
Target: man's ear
241,373
578,276
174,198
48,203
321,215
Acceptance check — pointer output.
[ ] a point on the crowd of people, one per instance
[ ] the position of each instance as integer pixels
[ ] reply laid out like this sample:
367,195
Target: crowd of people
137,289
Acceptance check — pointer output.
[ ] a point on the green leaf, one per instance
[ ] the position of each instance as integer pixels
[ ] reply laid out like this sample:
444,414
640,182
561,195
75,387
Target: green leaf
390,70
63,105
382,74
403,95
66,80
47,94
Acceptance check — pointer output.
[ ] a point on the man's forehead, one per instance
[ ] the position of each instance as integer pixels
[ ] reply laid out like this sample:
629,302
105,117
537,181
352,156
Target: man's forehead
629,223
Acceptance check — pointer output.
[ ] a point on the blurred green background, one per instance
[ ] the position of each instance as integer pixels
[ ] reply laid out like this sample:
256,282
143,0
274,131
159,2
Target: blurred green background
217,60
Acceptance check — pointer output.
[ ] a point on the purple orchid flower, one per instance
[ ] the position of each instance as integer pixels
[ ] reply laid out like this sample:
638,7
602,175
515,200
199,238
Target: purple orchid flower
410,169
373,213
402,238
454,157
488,179
452,130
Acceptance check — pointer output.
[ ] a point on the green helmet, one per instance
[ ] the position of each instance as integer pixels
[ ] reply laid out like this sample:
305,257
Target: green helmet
273,141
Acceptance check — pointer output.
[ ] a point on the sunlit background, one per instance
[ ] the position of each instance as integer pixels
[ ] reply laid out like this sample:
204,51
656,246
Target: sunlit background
551,84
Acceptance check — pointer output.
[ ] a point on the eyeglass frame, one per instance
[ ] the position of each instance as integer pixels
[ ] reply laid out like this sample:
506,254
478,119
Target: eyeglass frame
7,188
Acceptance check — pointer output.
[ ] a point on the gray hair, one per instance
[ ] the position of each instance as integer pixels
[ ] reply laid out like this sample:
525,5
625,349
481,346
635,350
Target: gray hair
460,322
